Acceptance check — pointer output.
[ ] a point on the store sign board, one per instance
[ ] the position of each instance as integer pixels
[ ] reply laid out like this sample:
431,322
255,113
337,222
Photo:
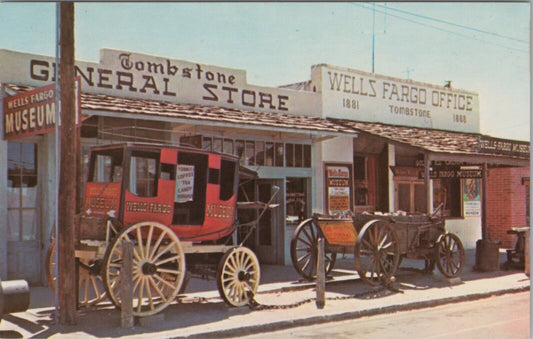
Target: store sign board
33,112
339,188
141,76
361,96
492,145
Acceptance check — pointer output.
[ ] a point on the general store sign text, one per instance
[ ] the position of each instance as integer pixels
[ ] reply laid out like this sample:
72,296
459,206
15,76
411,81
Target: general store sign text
135,75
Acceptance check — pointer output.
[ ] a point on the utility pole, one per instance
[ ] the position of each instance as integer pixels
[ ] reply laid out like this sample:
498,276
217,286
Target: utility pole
66,268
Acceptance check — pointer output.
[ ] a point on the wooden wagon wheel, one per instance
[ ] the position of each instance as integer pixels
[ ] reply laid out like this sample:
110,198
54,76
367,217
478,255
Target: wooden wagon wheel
91,289
158,267
450,255
377,252
238,275
304,250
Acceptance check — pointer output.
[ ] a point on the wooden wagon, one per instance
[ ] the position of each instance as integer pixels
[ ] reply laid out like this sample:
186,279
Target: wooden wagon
378,243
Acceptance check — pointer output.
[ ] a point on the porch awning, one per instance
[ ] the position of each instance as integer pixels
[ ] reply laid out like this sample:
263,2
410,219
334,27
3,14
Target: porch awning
440,145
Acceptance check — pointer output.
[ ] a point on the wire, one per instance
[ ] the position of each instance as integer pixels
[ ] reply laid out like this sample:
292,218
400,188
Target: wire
441,29
454,24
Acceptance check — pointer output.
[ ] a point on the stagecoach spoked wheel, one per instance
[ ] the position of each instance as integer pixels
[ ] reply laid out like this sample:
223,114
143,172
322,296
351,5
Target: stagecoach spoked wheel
304,250
238,275
91,289
450,255
377,253
158,267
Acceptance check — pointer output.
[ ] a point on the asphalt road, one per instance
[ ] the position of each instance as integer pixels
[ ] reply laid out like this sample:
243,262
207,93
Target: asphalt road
500,317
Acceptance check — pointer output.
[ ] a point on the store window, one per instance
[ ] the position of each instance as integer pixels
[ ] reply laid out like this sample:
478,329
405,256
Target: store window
22,165
262,153
22,193
296,200
410,195
365,183
448,192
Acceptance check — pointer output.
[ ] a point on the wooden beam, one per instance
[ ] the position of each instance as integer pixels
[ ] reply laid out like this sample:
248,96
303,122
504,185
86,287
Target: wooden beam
184,128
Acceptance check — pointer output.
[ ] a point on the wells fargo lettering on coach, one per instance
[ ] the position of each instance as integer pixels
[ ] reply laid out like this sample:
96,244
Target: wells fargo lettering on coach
220,211
152,207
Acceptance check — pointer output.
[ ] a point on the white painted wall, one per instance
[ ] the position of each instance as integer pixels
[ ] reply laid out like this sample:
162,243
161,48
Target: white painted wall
467,229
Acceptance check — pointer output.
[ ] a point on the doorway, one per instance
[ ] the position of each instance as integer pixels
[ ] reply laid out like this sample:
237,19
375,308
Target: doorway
266,240
269,226
23,213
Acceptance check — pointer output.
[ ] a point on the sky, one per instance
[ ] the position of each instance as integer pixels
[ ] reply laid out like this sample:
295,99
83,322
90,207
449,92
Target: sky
483,47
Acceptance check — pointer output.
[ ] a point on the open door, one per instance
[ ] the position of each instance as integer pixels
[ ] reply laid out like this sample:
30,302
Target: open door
268,239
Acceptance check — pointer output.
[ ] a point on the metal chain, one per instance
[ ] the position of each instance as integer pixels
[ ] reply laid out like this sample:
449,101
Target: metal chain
256,306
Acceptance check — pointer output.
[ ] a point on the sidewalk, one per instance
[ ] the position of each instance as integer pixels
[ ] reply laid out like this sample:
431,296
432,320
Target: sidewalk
201,313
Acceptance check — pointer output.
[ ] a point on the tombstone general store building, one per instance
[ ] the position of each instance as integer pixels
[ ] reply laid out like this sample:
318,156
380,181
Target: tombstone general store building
345,140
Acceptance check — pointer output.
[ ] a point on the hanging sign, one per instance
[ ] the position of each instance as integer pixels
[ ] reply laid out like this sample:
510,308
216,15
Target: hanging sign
492,145
34,112
339,188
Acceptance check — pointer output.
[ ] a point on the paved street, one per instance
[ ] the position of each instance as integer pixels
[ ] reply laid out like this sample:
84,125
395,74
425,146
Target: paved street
499,317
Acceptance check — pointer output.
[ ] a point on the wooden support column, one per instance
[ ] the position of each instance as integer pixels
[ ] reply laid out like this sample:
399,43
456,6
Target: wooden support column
66,268
484,202
427,183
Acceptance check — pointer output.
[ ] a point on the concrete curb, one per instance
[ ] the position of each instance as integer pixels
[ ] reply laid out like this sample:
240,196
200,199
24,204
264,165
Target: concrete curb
284,324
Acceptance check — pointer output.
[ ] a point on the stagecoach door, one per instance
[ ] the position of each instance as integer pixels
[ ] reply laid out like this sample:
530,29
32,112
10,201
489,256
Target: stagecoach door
267,240
23,213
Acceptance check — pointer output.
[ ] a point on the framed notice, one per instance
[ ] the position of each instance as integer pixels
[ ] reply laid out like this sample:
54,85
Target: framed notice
472,197
338,188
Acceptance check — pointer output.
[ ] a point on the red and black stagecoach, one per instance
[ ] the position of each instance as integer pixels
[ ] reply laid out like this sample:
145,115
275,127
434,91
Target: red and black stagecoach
177,205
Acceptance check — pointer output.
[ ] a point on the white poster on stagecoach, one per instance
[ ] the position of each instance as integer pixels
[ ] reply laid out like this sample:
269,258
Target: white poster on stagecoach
184,183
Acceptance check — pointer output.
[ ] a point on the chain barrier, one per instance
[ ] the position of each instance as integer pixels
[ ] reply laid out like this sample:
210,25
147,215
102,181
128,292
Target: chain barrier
256,306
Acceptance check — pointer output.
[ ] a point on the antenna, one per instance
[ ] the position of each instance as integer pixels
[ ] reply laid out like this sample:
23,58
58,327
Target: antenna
408,71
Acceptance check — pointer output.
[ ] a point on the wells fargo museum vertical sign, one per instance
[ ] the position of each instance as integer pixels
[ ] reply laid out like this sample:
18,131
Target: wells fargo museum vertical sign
338,188
34,112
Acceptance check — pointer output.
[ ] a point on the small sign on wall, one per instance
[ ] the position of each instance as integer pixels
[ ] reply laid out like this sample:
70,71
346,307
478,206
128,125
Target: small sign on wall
472,197
338,188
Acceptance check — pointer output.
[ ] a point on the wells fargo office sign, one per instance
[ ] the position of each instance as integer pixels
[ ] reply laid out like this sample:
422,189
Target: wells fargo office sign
33,112
362,96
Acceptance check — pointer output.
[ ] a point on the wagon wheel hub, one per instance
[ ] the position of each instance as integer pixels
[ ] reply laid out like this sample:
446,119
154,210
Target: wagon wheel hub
149,268
243,276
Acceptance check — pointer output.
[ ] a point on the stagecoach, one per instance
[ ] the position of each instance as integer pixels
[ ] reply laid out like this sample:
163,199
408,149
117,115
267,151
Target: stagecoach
178,206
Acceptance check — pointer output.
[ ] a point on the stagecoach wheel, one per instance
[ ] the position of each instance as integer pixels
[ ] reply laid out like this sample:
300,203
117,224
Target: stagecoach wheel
377,253
158,267
450,255
304,250
91,289
238,275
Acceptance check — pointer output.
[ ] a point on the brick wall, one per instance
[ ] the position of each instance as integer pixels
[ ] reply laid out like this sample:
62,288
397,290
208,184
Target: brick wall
506,203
